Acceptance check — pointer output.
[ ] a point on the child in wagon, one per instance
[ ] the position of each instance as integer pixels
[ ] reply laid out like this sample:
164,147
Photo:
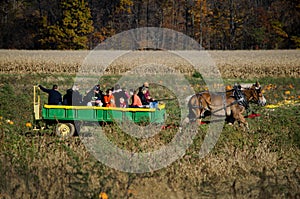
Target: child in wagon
109,100
123,104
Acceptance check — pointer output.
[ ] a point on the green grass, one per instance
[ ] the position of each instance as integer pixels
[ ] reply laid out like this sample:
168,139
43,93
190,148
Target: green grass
260,163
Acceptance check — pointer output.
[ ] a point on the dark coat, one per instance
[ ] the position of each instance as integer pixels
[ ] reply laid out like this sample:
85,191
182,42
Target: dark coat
54,97
88,97
117,95
72,98
143,98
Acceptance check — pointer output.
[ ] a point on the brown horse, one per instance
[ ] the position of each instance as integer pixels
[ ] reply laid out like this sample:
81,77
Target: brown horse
231,104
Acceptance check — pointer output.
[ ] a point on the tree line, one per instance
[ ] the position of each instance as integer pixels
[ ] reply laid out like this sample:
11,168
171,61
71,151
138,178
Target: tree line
215,24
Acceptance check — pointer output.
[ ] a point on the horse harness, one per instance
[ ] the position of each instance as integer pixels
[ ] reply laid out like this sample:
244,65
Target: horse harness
240,97
200,106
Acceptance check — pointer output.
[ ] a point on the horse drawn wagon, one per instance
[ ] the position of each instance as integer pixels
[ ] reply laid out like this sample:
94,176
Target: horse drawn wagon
64,117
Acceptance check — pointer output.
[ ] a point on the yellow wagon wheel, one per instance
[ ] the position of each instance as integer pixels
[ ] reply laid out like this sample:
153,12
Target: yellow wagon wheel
65,130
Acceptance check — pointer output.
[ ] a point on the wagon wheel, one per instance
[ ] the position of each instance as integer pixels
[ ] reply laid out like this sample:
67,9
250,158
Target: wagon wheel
65,130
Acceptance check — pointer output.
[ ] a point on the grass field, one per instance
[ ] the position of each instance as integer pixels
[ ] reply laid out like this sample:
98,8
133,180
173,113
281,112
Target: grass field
261,163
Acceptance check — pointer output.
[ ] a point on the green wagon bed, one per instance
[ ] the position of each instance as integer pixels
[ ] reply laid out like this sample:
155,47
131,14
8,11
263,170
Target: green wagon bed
102,114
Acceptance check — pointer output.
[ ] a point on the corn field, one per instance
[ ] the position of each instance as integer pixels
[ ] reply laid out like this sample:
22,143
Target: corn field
232,64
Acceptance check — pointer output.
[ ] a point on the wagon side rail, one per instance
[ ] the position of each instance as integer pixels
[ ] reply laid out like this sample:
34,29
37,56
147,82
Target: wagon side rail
36,103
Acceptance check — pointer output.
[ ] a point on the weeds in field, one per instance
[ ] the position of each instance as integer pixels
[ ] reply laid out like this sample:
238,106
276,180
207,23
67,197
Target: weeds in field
262,163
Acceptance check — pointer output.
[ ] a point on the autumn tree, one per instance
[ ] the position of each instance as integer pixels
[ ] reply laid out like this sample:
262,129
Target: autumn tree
199,13
19,22
215,24
72,30
285,23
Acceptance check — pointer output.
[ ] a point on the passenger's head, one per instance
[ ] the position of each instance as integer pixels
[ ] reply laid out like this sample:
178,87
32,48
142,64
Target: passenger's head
144,90
75,87
146,84
117,86
122,100
97,87
131,91
69,92
55,87
109,92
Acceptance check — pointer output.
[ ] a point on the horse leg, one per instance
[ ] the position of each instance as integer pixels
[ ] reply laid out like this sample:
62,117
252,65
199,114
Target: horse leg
229,116
198,104
243,121
194,115
240,117
186,120
230,119
197,113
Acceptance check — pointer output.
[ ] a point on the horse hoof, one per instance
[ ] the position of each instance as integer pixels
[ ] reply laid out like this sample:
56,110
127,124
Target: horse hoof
186,121
230,124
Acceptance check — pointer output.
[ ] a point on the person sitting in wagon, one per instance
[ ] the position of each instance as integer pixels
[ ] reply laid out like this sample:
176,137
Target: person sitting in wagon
150,101
99,96
142,96
93,97
109,100
72,97
119,93
136,101
54,96
122,103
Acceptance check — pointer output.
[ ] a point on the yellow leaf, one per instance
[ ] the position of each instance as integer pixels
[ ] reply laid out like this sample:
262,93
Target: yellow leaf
103,195
272,106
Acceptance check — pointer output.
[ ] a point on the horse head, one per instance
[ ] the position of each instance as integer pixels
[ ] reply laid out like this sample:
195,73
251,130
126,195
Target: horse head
257,95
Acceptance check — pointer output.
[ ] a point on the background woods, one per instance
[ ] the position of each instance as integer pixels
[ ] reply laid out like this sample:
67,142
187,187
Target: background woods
215,24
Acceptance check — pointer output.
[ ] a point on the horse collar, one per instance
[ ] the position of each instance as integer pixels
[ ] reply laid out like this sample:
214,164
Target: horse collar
240,97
